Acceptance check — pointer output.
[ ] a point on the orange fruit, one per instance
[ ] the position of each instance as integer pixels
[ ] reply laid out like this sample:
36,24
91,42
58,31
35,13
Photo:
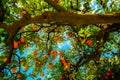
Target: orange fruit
73,33
22,13
89,42
18,76
53,53
67,66
15,44
56,38
36,39
5,59
56,30
25,68
27,47
22,40
35,29
14,70
62,59
42,74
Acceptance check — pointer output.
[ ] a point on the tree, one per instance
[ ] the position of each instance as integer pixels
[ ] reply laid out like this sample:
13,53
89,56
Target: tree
31,32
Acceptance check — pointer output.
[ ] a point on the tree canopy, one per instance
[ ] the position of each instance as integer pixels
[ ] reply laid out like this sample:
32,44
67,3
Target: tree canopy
60,39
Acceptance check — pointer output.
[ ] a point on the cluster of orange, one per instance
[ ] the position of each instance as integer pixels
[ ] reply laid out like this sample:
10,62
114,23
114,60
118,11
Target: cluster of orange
14,70
16,44
66,64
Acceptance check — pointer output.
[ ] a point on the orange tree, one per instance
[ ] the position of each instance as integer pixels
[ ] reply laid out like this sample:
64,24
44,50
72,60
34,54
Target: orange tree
31,32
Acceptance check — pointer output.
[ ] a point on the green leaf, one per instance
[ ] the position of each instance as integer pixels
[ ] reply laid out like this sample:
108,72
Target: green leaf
1,30
4,2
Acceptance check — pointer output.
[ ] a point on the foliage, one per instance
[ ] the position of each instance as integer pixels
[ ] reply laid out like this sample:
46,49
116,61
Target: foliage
37,47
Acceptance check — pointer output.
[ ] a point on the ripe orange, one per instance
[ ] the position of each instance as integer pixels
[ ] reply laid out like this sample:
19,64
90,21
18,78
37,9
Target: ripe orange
67,66
27,47
22,40
22,13
53,53
36,39
68,35
15,44
18,76
14,70
73,33
35,29
5,59
89,42
62,60
56,30
56,38
25,68
42,74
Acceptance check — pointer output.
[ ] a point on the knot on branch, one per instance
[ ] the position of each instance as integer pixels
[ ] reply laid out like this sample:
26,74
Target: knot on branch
27,16
45,15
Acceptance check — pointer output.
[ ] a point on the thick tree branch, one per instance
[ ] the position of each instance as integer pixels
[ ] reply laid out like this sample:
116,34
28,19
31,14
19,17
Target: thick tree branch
6,27
75,19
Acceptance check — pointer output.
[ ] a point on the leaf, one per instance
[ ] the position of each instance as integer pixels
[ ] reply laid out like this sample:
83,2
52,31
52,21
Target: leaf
4,2
1,30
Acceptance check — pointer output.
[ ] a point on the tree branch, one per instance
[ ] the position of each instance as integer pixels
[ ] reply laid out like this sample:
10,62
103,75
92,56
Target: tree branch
6,27
75,19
